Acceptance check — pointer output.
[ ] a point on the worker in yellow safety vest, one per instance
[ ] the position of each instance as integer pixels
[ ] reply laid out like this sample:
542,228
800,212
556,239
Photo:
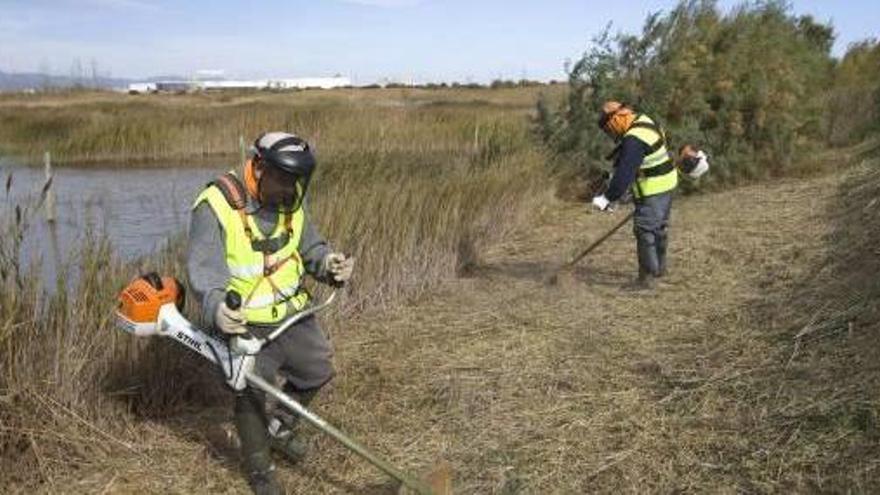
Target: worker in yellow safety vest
644,167
251,235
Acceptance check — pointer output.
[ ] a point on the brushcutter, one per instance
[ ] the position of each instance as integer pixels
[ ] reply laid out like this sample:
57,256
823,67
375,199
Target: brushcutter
692,163
598,186
150,306
554,275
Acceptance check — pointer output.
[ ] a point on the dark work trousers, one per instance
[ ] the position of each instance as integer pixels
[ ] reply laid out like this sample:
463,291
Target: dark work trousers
301,358
650,225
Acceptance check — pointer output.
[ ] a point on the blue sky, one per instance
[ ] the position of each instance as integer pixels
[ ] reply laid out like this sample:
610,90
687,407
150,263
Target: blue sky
421,40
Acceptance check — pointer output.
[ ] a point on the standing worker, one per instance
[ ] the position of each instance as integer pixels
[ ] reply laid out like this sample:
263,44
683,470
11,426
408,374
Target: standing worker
252,236
642,164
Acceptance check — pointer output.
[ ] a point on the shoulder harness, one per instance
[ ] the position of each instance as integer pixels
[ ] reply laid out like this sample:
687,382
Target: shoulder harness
236,196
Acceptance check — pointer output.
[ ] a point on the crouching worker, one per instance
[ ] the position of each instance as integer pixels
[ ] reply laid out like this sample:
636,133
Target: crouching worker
252,235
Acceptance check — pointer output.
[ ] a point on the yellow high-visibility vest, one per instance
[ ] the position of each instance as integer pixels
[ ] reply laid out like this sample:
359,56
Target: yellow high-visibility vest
657,173
270,285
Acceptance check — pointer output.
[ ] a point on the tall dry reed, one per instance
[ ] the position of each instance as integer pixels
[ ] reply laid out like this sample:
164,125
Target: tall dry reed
413,190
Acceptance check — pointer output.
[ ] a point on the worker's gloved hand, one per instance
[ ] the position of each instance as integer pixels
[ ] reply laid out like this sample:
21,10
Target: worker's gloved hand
338,266
601,203
229,321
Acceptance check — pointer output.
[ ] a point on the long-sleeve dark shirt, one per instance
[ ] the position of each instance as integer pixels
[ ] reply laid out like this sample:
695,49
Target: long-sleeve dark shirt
630,155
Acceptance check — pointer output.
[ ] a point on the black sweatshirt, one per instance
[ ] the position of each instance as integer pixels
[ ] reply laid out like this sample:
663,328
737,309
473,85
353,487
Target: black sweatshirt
630,155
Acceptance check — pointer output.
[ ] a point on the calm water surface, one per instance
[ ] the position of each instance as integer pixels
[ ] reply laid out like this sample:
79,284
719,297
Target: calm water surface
138,209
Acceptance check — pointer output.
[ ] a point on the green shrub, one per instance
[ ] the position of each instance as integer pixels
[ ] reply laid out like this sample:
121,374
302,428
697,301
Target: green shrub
746,85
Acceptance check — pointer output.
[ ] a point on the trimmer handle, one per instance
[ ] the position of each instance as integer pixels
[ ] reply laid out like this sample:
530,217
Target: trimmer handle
233,300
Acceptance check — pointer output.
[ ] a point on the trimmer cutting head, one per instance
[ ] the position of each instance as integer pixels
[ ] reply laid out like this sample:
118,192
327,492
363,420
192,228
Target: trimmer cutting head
437,481
140,302
440,479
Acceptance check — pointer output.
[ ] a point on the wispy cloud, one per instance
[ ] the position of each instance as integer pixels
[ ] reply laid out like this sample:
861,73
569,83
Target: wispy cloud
142,5
386,3
12,25
52,7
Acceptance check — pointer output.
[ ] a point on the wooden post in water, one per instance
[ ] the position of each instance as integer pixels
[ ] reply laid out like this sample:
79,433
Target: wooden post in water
476,138
243,152
48,194
49,188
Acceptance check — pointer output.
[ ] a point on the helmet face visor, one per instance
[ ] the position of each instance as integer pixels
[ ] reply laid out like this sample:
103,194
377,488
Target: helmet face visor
282,191
603,120
689,163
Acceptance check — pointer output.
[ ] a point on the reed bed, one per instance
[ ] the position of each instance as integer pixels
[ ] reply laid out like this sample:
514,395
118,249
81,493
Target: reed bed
163,130
756,372
413,188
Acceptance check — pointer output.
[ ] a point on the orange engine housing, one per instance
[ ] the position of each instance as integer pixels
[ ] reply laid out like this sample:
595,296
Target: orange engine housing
141,300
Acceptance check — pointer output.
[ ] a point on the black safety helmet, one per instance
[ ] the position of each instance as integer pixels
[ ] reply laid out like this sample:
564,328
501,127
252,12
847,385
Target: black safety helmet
288,164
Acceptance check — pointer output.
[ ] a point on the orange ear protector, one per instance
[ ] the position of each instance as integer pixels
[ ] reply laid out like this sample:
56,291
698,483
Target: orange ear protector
616,119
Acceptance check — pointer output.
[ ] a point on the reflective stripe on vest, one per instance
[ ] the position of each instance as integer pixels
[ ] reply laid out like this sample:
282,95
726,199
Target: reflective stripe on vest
650,184
267,298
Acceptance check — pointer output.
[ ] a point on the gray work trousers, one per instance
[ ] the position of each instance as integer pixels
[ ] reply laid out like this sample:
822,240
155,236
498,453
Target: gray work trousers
302,358
650,225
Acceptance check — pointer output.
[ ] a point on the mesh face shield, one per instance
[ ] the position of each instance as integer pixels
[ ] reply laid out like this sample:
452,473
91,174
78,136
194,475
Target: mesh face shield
282,191
287,166
689,163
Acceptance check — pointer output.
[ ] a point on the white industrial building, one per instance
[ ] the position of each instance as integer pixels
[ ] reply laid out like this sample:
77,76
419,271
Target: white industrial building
223,84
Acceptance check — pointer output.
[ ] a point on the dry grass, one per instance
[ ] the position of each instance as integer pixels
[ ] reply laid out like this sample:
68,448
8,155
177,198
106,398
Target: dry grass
412,191
758,372
174,130
753,369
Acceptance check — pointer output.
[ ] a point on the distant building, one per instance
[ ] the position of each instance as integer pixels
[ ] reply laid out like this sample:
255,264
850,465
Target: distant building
229,85
174,86
138,88
309,82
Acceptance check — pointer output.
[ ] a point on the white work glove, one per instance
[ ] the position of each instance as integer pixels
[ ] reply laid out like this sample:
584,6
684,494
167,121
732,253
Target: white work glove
601,203
338,266
229,321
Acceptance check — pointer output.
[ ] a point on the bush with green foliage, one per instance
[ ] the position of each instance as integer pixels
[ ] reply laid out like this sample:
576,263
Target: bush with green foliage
854,101
748,85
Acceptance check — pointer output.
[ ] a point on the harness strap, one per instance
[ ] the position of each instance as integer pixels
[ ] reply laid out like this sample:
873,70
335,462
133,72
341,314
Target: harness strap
236,196
247,226
234,193
657,171
233,190
268,271
288,223
642,125
654,127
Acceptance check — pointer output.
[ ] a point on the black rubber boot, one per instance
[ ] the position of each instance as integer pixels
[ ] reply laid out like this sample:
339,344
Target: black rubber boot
250,421
282,427
662,241
646,245
265,482
645,281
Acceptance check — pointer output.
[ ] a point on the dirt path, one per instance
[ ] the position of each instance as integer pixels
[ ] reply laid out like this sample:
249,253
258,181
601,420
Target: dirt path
581,387
574,388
